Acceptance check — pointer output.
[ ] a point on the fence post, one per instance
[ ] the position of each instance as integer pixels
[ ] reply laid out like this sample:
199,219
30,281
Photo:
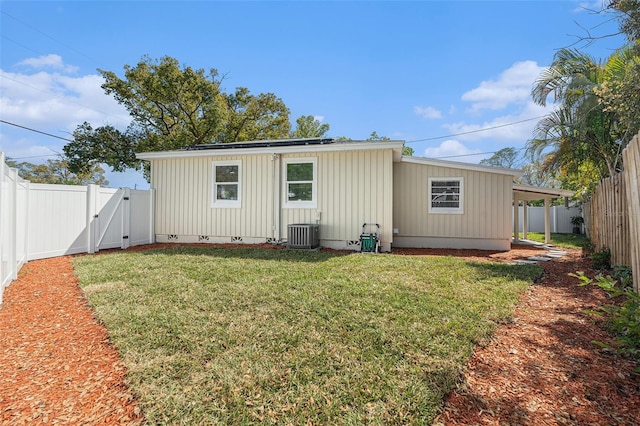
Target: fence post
2,219
91,218
125,235
13,218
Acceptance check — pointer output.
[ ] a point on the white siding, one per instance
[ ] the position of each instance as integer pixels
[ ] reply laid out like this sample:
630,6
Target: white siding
353,187
184,191
485,222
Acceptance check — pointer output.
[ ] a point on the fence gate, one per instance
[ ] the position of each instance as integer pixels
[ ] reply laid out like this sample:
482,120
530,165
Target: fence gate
111,223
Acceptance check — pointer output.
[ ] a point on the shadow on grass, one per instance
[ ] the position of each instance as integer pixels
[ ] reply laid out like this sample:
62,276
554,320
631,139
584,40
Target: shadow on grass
504,270
257,253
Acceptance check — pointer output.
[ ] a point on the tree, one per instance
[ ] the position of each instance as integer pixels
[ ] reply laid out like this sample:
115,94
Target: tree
580,130
507,157
58,172
629,17
254,117
105,144
307,126
407,151
619,93
374,137
173,107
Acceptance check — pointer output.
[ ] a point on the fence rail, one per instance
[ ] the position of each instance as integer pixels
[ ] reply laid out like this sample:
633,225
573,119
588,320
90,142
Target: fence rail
39,221
612,217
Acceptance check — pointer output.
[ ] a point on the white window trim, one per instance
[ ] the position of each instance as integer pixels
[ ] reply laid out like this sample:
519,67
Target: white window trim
314,189
447,210
215,203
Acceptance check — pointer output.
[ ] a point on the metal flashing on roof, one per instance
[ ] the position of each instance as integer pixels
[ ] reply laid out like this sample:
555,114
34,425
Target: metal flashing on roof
261,144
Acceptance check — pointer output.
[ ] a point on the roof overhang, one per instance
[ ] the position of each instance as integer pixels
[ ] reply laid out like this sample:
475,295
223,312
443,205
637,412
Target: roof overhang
530,193
280,146
463,166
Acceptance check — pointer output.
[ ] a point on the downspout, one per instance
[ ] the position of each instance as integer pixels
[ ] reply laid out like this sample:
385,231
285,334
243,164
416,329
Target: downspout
277,211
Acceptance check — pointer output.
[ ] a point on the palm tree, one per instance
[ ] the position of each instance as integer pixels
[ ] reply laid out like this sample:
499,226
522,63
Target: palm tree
581,129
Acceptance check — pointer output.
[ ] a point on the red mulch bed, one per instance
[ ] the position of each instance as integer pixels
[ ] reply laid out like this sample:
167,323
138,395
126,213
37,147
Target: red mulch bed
58,366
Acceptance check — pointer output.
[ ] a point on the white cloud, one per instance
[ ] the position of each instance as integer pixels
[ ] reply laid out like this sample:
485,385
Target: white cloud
513,86
51,102
48,61
51,99
319,118
452,149
517,126
427,112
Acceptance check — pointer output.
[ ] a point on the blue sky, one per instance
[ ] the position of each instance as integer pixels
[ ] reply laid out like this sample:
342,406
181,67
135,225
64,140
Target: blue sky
426,72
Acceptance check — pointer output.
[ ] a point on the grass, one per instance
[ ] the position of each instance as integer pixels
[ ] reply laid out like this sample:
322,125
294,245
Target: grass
576,241
243,336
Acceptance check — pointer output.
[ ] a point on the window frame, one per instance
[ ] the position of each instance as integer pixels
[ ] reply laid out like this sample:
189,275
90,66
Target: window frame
289,204
446,210
215,202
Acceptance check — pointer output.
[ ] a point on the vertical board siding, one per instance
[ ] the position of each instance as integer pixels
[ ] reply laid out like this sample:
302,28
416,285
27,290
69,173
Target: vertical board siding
486,198
354,187
184,195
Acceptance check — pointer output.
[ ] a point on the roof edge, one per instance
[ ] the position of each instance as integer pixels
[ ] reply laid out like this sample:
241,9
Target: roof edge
552,192
269,147
463,166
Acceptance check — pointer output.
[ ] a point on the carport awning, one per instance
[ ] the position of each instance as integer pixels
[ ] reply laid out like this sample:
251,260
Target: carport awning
530,193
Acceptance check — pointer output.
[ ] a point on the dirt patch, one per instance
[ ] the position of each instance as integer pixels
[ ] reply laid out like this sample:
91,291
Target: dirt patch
58,366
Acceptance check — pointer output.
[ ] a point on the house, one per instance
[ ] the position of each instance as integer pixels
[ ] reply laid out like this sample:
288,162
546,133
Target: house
254,192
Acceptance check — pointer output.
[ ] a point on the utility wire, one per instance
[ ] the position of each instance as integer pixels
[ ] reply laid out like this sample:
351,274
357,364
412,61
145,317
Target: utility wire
66,99
475,153
36,131
477,130
50,37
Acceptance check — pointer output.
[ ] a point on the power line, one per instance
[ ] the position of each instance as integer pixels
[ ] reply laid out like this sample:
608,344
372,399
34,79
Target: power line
475,153
66,99
48,36
36,131
477,130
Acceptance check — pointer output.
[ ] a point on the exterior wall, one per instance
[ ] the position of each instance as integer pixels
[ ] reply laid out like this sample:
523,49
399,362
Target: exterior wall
484,224
184,195
353,187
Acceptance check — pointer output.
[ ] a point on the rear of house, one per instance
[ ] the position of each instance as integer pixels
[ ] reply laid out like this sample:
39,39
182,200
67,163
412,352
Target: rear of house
252,192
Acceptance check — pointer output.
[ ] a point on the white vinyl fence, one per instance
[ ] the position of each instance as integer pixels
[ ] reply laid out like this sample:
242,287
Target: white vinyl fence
560,218
39,221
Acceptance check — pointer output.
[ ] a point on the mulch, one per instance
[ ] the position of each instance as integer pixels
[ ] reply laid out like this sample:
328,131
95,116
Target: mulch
58,366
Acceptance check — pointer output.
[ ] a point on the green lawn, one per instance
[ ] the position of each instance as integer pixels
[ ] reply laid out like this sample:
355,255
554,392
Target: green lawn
242,336
562,240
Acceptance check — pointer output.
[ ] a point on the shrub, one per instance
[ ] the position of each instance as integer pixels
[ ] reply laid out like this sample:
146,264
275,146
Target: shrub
623,317
601,259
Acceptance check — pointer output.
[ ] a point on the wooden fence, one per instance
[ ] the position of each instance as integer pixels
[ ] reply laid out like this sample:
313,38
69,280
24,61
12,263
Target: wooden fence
612,217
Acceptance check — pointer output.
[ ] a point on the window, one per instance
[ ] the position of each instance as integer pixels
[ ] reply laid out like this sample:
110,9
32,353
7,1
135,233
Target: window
226,184
445,195
300,183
